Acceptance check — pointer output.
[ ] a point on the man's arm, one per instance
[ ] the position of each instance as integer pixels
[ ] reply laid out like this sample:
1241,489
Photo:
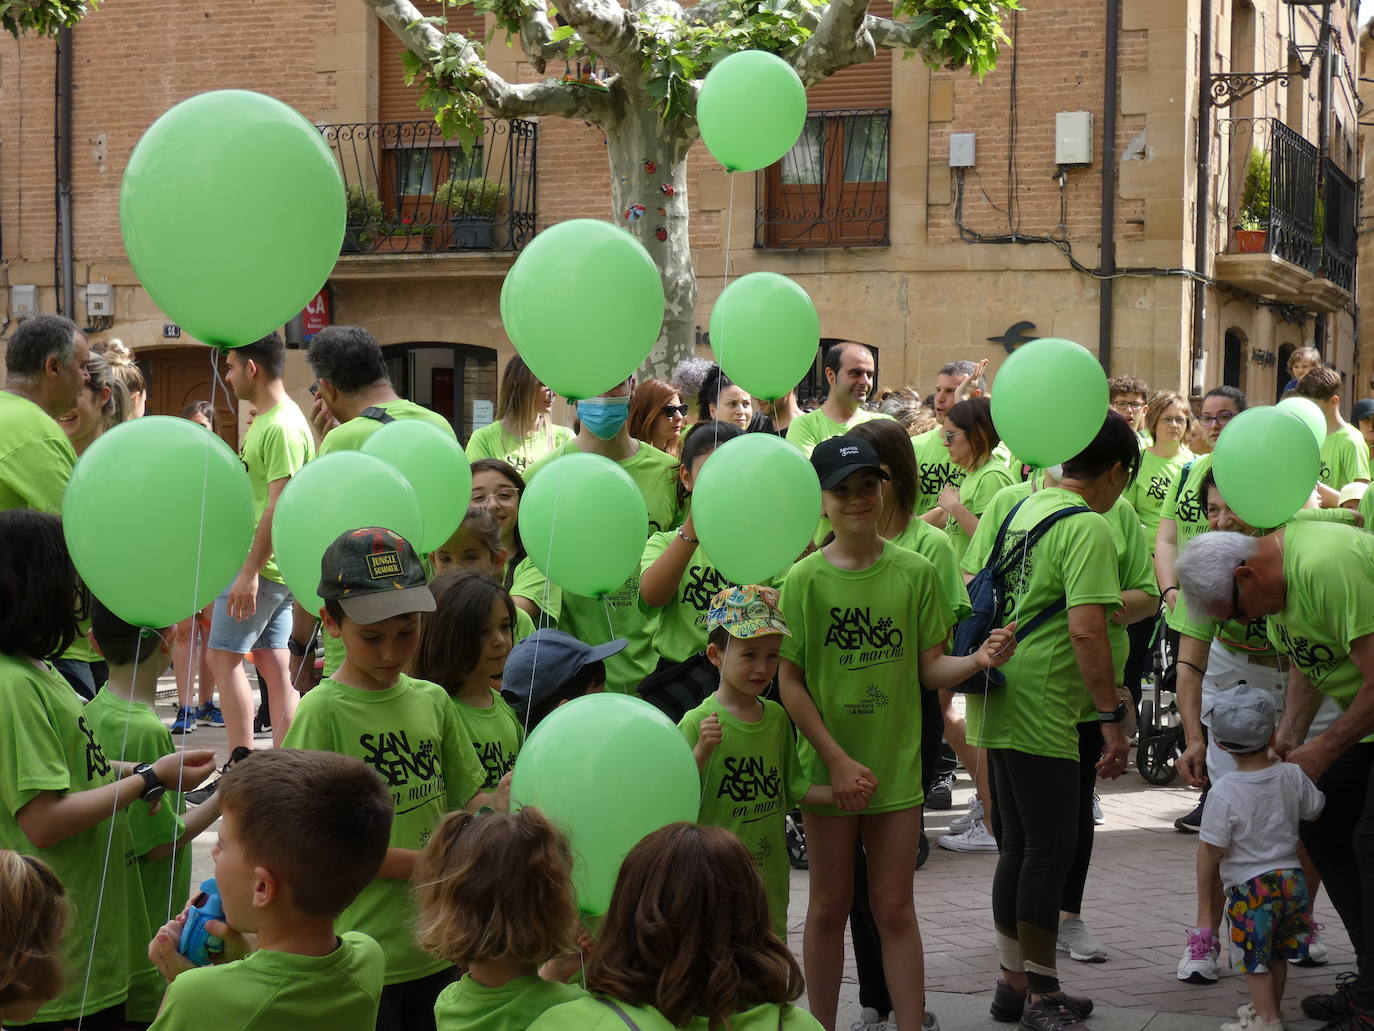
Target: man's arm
1189,667
243,594
1350,726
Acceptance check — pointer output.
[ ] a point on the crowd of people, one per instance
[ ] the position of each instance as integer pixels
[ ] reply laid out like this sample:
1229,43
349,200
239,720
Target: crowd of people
370,869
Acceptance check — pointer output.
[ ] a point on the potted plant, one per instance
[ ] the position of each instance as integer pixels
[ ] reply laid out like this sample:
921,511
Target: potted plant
363,218
406,235
1252,231
472,205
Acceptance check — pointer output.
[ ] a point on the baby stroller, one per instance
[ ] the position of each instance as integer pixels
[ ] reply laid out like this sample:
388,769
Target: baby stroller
1160,736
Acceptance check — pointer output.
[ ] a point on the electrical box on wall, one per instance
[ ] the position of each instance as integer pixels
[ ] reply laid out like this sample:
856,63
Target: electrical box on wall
23,301
1073,138
99,300
961,149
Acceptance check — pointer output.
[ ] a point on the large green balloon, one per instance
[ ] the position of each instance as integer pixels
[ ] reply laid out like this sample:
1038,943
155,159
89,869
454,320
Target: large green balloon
751,110
435,466
583,305
583,523
1266,463
342,491
158,518
765,332
232,210
1310,413
645,775
742,546
1049,401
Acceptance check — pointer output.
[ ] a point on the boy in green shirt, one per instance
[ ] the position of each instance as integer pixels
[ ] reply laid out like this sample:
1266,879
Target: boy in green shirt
303,833
408,730
122,716
1345,455
750,781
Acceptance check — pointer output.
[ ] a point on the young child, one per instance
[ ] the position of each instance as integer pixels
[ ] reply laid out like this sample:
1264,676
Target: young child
122,716
463,649
869,621
744,744
495,896
407,730
1300,363
303,833
1250,839
58,789
687,943
476,547
33,918
549,668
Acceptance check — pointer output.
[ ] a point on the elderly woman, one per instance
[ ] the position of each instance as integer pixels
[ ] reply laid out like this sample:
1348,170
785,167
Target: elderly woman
1315,582
1061,673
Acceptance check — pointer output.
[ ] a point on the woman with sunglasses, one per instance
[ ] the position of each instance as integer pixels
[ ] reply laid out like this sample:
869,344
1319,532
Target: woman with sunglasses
524,431
970,438
657,415
497,487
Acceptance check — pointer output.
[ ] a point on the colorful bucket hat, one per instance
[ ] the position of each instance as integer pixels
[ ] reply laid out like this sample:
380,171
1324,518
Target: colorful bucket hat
746,612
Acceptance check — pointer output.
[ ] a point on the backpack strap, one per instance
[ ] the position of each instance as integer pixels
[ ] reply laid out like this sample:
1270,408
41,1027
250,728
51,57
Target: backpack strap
1032,538
1002,533
380,414
630,1024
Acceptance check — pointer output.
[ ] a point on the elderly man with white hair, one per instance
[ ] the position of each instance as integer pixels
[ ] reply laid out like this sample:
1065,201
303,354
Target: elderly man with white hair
1315,582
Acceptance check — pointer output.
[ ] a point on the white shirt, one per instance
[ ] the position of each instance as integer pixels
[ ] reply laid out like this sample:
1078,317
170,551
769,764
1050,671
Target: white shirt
1254,815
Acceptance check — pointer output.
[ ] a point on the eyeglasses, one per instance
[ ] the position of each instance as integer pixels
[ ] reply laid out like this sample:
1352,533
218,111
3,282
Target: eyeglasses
1216,420
1129,406
949,435
504,496
672,410
1175,420
314,388
1236,613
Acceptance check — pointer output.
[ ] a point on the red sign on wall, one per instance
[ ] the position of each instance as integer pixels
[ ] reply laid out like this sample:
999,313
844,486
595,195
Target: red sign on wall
316,315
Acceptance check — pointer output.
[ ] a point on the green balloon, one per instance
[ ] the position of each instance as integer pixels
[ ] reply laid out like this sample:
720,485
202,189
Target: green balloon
343,491
644,770
1266,464
764,333
745,548
435,466
232,211
751,110
158,517
583,304
583,523
1310,413
1049,401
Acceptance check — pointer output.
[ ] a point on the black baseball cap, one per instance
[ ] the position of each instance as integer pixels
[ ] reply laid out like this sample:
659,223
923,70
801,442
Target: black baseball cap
539,666
374,574
1362,409
836,458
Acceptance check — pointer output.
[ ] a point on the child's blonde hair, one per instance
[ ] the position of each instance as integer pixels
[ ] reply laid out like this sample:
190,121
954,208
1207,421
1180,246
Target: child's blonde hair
1304,354
496,886
33,919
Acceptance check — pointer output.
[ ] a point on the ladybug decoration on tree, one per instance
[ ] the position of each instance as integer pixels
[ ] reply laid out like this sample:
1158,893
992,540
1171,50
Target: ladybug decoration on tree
634,212
661,234
650,167
667,189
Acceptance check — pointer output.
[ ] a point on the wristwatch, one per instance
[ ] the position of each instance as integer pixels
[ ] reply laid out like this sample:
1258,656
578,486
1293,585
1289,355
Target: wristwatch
155,789
296,648
1114,715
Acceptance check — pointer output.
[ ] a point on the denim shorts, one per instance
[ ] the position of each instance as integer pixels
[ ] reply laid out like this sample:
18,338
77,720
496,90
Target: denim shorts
269,627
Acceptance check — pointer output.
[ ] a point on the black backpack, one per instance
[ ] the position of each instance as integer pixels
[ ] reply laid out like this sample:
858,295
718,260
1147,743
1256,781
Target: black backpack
987,594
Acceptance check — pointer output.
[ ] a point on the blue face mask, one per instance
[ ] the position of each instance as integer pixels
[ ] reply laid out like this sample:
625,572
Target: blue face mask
604,416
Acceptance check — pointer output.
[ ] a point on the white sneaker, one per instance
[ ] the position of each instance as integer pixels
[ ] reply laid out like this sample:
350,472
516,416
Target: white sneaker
1249,1020
1199,962
974,815
1098,818
869,1020
976,839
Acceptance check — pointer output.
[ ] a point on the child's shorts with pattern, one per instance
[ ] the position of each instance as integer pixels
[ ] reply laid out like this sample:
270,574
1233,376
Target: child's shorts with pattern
1269,917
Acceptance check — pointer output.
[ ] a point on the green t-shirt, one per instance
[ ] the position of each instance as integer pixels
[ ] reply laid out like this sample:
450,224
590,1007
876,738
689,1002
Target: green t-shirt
47,744
595,621
678,629
36,458
529,582
1039,708
117,720
975,493
495,735
352,435
1151,486
281,991
467,1005
809,429
1329,569
1345,457
590,1014
524,625
1184,503
411,735
276,447
495,441
749,784
1135,571
934,470
858,635
1250,639
924,539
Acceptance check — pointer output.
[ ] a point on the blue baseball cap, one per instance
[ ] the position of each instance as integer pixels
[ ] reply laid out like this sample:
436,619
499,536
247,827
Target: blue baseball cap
540,665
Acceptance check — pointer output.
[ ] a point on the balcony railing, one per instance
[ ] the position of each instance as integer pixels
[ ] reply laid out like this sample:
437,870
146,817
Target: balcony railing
410,189
1292,196
831,188
1337,251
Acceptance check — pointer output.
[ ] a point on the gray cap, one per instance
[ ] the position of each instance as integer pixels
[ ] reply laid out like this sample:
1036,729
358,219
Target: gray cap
540,666
1242,719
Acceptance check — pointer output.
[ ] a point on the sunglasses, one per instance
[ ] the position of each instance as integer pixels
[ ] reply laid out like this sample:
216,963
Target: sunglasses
672,410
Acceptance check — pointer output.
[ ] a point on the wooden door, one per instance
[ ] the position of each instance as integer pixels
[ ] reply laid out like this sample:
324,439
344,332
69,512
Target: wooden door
181,375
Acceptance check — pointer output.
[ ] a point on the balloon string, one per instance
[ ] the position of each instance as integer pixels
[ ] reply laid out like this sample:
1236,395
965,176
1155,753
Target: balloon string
534,659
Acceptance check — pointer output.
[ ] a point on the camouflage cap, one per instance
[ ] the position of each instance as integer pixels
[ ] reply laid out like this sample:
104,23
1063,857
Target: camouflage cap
746,612
374,575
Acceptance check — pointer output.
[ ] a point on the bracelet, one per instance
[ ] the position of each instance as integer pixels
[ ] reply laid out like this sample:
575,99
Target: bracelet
1197,669
1114,715
1167,590
689,540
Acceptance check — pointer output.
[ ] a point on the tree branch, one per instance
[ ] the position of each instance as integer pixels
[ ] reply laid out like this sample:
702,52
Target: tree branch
609,31
536,35
840,39
898,35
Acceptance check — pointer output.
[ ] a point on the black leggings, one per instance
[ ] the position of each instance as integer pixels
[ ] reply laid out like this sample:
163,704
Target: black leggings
1141,635
1035,817
863,930
1089,752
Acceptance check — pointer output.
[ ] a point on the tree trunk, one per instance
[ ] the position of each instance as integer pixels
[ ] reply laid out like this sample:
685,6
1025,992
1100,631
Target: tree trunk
649,199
